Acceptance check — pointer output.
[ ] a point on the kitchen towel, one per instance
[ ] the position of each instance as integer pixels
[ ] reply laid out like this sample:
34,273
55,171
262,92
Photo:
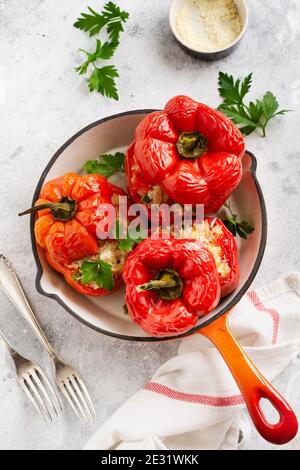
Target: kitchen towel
192,401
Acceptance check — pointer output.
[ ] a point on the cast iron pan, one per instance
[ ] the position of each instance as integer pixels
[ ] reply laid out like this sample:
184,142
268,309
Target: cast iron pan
106,314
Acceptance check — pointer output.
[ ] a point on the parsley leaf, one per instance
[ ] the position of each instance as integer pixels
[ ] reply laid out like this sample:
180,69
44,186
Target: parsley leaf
102,80
146,199
233,92
125,244
102,51
128,244
106,165
243,229
255,115
91,23
98,272
112,17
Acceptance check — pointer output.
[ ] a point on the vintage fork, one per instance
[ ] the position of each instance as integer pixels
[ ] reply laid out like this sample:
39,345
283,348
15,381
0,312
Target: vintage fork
34,383
67,378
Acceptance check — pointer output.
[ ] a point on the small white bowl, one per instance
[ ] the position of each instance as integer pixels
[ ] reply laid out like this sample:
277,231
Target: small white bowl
219,54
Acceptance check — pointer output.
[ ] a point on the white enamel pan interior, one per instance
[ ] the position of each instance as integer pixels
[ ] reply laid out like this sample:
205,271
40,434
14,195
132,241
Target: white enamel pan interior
106,314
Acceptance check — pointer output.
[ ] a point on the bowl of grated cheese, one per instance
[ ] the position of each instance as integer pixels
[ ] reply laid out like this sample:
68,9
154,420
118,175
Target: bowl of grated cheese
209,29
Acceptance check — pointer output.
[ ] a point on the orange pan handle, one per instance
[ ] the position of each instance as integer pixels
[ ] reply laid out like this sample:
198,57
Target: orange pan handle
252,384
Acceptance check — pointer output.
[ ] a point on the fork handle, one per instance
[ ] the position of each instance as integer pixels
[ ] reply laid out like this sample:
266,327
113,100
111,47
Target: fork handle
7,344
11,286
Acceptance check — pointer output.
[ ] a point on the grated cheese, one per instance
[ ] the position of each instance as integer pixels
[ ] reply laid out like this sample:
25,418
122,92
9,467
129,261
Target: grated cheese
208,234
157,195
208,25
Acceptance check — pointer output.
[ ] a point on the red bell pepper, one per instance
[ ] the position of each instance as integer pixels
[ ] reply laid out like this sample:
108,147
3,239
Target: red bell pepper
188,153
169,285
66,225
222,245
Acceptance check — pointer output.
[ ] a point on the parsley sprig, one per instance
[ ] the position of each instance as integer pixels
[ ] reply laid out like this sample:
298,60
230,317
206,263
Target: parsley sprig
103,51
112,17
106,165
255,115
97,271
243,228
125,244
102,79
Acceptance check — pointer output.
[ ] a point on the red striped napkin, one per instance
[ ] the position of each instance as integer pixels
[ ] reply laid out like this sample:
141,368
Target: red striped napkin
192,402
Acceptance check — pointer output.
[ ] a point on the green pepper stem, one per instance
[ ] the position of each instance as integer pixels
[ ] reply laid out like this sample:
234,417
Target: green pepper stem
191,144
37,208
167,285
157,284
63,210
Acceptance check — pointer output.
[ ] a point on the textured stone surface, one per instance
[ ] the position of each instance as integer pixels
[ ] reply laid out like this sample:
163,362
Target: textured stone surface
43,102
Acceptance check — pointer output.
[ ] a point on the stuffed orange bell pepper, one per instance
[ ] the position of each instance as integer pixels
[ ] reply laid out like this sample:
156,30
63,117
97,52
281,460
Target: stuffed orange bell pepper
66,226
189,153
169,285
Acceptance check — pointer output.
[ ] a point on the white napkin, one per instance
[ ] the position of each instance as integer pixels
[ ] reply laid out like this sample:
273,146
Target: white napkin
192,402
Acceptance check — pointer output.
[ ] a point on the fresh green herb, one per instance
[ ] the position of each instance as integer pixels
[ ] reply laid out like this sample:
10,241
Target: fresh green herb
243,229
125,244
129,243
106,165
102,80
96,271
146,199
255,115
112,17
102,51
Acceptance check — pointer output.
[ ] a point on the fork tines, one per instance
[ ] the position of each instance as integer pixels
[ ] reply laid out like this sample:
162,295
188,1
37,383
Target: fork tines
41,393
74,390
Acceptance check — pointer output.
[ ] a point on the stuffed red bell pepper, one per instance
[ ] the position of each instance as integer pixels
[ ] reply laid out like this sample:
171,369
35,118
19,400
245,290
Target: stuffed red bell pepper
66,229
222,245
188,153
169,285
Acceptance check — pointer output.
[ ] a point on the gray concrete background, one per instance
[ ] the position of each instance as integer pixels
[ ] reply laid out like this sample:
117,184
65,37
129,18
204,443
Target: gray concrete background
43,102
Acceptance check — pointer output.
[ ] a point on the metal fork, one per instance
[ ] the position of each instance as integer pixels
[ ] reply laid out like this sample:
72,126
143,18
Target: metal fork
34,383
67,378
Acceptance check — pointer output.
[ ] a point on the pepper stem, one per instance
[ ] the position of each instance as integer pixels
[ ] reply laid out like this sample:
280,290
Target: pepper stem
191,144
63,210
167,285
